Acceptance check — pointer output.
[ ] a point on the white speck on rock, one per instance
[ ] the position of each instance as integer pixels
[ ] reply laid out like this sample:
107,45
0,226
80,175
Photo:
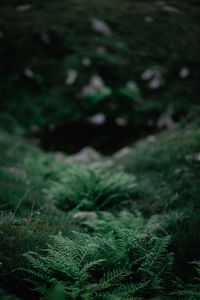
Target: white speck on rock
97,119
28,73
23,7
95,85
71,77
101,27
86,61
184,72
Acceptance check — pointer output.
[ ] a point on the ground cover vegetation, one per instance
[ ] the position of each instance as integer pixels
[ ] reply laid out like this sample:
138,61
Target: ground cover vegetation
68,232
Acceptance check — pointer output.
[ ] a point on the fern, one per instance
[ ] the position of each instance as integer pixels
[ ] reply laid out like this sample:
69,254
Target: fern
82,188
123,265
191,291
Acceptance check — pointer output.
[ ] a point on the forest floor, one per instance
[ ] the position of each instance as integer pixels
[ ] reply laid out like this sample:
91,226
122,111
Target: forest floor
99,150
119,227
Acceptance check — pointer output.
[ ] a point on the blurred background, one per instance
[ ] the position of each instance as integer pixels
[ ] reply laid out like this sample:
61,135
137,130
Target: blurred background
97,73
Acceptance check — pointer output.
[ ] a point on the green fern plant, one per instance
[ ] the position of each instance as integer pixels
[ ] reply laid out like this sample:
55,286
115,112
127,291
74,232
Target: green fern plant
191,291
124,264
87,189
108,221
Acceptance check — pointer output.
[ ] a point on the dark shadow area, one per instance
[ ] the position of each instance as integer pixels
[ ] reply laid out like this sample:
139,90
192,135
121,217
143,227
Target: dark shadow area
106,139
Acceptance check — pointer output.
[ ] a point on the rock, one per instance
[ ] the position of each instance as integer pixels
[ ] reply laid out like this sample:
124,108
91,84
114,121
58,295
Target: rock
148,19
85,156
95,85
28,73
122,152
170,8
198,157
59,156
23,7
165,120
88,215
86,61
71,77
151,138
184,72
98,119
154,76
156,82
101,27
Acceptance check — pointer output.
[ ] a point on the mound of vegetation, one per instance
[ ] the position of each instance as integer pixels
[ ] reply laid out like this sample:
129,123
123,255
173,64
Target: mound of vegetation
76,232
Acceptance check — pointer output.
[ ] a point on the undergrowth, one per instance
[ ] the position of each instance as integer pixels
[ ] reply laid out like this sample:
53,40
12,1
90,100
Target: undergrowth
121,265
81,188
73,232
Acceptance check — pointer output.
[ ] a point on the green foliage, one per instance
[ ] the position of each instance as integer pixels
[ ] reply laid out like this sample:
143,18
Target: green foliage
130,91
124,251
6,296
43,97
107,222
191,291
83,188
167,169
97,97
124,264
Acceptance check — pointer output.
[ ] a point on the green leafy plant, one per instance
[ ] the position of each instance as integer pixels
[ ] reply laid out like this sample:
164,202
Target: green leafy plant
191,291
122,265
87,189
